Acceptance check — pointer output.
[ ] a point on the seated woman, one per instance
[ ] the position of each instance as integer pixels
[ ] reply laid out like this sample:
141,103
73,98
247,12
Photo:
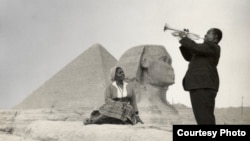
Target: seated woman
120,102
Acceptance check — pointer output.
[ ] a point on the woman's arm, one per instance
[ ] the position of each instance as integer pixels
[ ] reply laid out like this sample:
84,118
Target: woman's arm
108,97
133,101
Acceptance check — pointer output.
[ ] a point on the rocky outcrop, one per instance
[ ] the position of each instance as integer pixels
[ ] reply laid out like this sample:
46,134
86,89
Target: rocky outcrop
16,121
65,131
67,124
75,131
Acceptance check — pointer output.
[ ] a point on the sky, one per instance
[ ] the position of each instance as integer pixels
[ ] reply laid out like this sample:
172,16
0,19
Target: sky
38,38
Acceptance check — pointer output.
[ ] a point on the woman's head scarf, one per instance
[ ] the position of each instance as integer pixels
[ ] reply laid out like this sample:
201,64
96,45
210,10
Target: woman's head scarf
112,72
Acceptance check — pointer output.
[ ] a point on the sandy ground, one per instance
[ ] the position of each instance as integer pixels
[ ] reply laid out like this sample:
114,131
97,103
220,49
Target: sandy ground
53,130
76,131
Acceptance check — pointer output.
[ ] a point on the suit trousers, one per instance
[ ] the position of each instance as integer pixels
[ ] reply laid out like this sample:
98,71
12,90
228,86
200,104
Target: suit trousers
203,104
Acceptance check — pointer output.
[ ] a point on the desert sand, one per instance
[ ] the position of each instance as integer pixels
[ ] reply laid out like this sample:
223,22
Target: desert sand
65,125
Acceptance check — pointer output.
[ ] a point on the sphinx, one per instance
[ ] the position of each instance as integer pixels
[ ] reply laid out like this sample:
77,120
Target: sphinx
149,68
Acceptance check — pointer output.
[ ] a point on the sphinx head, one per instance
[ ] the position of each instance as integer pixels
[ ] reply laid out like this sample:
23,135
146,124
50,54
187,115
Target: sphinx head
156,67
148,64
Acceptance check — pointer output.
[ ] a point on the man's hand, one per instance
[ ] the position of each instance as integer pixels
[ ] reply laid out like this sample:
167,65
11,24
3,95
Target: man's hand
182,34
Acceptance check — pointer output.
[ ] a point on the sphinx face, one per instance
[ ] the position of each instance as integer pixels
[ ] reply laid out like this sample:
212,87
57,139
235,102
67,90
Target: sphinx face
159,69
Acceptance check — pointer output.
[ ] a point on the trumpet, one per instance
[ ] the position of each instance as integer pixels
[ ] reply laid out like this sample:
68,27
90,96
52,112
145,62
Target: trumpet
176,33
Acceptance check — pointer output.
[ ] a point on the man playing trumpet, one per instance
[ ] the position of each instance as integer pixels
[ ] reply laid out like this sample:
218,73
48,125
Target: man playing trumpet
201,78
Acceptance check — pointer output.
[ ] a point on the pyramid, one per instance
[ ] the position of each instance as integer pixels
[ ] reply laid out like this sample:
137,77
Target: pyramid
80,84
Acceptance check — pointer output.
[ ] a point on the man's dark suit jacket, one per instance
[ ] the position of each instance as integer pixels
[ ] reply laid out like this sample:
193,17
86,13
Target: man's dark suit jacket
203,60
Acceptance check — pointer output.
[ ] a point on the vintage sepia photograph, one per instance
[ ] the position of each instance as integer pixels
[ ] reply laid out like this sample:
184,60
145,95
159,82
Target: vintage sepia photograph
121,70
